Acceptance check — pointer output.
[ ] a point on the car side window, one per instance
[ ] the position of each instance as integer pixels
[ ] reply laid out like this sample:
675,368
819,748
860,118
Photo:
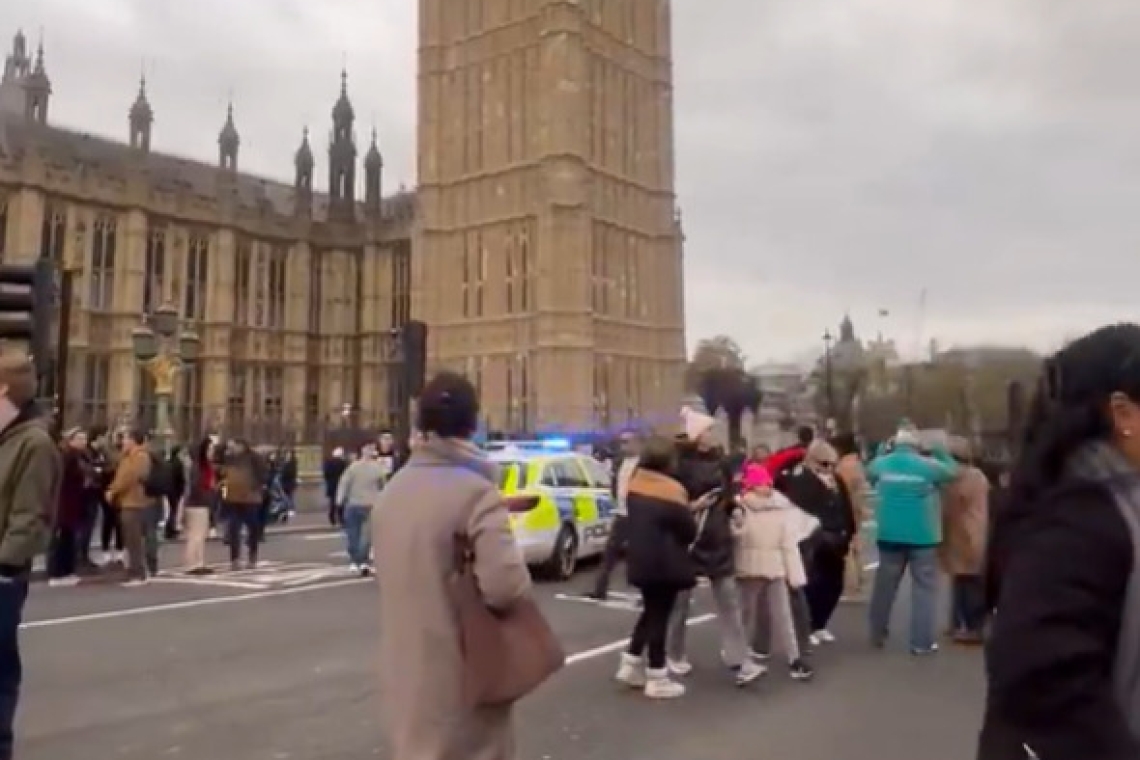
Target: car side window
550,474
571,475
599,474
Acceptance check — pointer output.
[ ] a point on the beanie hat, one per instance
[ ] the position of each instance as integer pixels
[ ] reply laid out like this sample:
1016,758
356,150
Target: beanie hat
907,436
695,424
755,476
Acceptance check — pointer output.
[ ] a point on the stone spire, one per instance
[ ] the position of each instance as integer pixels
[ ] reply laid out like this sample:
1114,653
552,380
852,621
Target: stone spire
37,89
373,170
229,141
303,183
141,119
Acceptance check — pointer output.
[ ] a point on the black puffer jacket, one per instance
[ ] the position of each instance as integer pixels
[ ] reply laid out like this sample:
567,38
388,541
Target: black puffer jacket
700,472
660,529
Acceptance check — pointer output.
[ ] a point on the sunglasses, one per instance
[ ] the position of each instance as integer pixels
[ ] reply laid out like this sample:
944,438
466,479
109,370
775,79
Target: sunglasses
825,465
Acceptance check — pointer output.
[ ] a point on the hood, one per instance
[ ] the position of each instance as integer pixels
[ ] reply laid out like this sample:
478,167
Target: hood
754,502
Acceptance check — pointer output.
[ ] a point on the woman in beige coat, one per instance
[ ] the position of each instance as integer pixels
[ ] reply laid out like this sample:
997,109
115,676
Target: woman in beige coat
965,521
447,487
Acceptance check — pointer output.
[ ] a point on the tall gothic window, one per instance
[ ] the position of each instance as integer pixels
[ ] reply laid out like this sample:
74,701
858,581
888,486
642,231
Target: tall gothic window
278,258
274,400
3,222
102,269
96,388
524,268
243,274
154,274
401,285
235,405
260,287
197,273
316,293
190,422
52,233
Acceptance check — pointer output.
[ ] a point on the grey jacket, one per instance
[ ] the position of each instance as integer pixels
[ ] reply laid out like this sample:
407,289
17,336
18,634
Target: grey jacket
361,484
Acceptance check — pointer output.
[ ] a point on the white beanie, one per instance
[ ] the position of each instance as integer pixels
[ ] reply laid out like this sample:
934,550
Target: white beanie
695,424
907,436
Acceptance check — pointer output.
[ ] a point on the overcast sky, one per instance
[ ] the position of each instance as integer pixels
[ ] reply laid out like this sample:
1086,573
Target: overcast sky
833,155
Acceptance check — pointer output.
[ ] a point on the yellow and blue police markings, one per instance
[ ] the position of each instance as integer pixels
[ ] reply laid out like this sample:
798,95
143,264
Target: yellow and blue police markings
555,524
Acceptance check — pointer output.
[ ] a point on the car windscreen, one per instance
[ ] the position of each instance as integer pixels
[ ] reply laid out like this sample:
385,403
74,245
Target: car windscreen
510,472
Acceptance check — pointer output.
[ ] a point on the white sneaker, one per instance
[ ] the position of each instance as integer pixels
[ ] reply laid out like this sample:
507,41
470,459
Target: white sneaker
749,672
631,671
70,580
680,667
353,567
814,640
825,636
658,685
758,656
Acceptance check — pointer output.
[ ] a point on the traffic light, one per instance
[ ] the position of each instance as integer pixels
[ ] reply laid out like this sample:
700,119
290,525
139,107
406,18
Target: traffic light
413,340
26,295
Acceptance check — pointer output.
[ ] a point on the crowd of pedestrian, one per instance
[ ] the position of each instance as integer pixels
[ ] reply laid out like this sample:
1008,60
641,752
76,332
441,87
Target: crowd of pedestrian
121,489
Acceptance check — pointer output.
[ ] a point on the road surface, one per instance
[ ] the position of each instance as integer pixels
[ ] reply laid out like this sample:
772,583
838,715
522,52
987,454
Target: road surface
278,664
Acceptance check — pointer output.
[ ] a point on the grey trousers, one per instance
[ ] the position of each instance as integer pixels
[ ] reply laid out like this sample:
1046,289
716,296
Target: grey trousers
761,631
726,600
772,599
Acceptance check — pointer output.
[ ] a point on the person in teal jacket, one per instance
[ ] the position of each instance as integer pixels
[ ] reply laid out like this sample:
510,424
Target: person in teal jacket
909,518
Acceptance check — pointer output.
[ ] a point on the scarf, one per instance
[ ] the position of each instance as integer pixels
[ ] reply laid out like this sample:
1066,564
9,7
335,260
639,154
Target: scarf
1101,463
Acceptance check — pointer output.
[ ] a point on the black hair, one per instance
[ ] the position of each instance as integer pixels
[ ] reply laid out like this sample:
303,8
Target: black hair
138,435
658,455
202,451
805,435
448,407
1070,405
845,443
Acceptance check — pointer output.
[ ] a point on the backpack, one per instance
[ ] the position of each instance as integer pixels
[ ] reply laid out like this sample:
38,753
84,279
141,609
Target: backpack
157,481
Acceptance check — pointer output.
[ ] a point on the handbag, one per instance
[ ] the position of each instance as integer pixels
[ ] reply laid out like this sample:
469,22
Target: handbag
506,654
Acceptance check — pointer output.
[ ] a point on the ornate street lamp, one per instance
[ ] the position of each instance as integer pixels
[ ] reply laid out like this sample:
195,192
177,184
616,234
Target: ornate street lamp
164,350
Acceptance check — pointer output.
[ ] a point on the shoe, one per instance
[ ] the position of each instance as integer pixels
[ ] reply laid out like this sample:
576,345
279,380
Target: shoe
365,571
748,672
758,656
680,667
814,640
597,596
136,582
658,685
631,671
353,567
201,571
825,636
65,582
800,671
924,651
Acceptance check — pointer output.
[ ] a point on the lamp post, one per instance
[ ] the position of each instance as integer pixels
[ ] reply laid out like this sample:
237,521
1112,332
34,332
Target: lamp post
164,350
828,375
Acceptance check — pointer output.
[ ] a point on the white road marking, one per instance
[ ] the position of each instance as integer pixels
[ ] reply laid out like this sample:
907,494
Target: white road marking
206,580
322,536
622,600
614,646
187,605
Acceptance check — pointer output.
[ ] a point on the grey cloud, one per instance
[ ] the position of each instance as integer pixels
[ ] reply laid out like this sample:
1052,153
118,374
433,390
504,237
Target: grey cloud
833,155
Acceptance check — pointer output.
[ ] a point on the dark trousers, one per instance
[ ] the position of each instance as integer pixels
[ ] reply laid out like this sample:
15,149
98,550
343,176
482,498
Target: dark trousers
170,530
825,585
87,529
133,526
611,555
110,528
63,553
13,594
967,604
336,512
239,516
652,627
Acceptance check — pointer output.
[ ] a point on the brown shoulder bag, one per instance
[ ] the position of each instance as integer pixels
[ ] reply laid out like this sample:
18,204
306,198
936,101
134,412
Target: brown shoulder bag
506,655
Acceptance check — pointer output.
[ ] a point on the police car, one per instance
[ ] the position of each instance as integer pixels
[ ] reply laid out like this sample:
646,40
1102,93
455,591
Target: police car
559,500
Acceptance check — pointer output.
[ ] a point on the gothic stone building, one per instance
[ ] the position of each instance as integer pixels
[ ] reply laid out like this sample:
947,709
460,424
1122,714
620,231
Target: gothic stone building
542,247
293,293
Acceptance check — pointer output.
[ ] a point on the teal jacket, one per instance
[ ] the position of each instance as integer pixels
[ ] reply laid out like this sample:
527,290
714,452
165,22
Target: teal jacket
909,505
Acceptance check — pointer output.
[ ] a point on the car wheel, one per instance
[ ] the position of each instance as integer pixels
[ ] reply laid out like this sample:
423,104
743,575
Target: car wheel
564,560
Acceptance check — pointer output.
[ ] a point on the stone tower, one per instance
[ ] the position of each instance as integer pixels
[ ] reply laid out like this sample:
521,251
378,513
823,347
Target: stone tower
550,258
342,156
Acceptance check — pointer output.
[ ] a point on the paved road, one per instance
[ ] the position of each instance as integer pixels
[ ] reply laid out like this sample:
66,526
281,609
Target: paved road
277,664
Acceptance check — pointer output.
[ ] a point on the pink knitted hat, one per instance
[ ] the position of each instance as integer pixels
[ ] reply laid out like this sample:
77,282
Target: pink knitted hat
755,476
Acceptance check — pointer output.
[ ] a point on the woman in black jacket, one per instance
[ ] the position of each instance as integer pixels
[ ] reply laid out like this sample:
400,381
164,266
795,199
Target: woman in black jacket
660,527
1063,657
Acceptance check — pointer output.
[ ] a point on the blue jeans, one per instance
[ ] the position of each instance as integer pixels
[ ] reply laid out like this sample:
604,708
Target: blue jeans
893,562
358,543
13,594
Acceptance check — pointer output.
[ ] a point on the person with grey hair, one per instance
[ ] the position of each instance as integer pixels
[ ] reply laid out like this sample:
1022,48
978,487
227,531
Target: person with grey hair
909,532
817,490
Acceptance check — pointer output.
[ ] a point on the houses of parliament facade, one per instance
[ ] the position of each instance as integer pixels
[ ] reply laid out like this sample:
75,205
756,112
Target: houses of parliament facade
542,246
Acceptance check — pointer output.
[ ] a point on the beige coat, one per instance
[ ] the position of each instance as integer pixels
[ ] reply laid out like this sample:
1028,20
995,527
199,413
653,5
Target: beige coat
446,488
767,544
850,471
965,518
